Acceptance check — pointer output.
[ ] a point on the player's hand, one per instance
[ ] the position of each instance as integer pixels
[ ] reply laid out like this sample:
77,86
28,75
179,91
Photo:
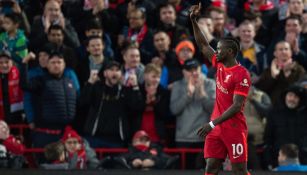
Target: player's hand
204,130
195,11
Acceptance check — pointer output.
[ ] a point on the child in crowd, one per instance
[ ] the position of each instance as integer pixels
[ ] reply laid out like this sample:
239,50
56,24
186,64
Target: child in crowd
76,146
13,39
11,149
55,156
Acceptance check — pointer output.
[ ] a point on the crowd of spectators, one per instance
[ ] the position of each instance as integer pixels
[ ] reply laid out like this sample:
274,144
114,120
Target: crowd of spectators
86,74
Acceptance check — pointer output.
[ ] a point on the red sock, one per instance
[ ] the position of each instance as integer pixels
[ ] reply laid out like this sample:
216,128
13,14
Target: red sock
248,173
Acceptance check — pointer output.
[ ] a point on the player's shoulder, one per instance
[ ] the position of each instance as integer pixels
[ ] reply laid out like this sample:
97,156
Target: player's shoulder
241,71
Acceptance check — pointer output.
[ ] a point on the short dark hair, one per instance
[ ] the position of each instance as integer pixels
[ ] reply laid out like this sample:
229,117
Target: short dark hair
290,150
53,151
94,23
129,45
55,27
165,5
295,17
232,43
155,32
15,17
90,38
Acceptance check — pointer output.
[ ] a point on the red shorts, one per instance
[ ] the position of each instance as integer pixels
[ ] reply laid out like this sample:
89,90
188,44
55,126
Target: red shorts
232,143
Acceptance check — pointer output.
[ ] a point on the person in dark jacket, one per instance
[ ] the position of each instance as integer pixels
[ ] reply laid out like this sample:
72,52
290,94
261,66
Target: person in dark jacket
39,70
109,105
95,61
138,32
167,16
54,97
52,15
155,105
143,154
287,123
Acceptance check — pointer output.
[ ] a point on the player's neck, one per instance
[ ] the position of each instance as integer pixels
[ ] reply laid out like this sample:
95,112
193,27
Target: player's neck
230,63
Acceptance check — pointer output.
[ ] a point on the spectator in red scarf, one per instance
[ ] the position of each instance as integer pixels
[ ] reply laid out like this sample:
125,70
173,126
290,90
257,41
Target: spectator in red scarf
11,96
143,154
11,144
138,32
76,146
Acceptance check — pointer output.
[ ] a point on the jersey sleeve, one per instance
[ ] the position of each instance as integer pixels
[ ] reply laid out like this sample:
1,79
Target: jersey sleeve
243,83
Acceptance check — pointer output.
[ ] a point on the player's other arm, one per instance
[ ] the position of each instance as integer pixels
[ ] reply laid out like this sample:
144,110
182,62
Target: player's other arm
200,38
238,101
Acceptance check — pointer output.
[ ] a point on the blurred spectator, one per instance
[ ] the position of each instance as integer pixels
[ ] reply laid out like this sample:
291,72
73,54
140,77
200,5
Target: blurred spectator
263,34
162,51
132,68
104,11
56,36
11,149
282,73
304,25
11,144
290,7
218,16
182,11
192,100
255,110
163,56
185,50
138,32
143,154
40,70
55,156
293,35
269,13
11,95
55,99
75,146
124,9
15,6
94,28
94,62
252,55
167,16
288,159
205,22
52,15
155,106
287,124
110,104
13,39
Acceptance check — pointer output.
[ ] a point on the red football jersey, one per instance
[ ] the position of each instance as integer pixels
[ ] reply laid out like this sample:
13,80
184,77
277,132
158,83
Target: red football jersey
230,81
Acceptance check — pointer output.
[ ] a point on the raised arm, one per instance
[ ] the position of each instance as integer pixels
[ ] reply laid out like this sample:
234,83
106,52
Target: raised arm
200,38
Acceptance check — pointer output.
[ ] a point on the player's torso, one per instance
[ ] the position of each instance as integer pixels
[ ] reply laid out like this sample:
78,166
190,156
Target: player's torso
226,81
225,85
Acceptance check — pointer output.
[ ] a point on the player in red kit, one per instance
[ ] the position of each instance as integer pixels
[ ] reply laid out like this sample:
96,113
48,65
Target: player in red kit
226,133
